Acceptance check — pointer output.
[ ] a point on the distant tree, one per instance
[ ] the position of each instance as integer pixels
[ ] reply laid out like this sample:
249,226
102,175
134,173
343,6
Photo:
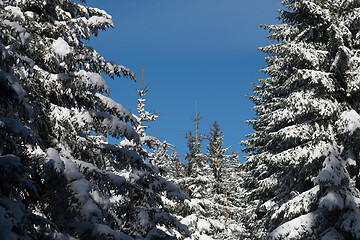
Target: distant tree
212,182
225,196
217,158
195,159
86,187
303,162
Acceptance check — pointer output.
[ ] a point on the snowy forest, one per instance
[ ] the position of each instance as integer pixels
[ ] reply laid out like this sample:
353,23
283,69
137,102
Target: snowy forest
62,178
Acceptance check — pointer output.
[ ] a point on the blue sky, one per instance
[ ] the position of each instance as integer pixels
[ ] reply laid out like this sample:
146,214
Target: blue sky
191,48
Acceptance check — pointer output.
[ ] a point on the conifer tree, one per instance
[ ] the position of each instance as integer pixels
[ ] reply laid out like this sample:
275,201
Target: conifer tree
85,188
214,209
217,158
16,188
224,189
304,153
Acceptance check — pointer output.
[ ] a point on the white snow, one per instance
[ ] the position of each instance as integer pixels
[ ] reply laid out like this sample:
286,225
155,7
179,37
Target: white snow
120,110
24,36
203,225
205,237
101,229
95,21
217,224
81,189
16,12
332,200
100,199
54,160
349,121
71,170
189,220
298,205
332,173
297,228
94,80
61,47
90,209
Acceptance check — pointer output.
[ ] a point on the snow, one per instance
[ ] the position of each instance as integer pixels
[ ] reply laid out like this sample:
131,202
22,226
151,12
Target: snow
203,225
120,110
81,189
101,229
296,206
217,224
61,47
116,179
71,170
332,200
349,121
24,36
18,89
189,220
117,128
351,159
16,12
59,236
299,227
100,199
205,237
54,160
125,143
90,209
95,21
332,173
94,80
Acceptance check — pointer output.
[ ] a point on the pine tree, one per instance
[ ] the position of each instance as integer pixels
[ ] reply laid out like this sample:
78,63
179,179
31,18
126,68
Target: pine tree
86,187
16,188
224,189
304,153
214,209
217,158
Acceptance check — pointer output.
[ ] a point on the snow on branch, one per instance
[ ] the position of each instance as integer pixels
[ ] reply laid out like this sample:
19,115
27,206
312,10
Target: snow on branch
119,110
85,119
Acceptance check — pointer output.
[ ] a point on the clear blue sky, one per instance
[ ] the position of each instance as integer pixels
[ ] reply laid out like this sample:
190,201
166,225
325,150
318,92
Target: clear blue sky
190,48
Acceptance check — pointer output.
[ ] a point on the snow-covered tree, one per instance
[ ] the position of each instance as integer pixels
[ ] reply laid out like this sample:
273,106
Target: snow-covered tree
224,189
212,182
217,158
86,187
17,190
304,154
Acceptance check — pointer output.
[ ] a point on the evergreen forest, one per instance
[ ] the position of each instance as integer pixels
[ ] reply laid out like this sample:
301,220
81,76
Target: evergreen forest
63,178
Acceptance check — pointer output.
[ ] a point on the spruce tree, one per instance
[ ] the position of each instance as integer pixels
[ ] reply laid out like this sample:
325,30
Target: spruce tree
66,180
17,190
303,158
224,195
217,158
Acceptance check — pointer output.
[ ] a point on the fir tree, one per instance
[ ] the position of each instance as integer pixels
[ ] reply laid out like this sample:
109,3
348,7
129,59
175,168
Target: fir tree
16,188
217,158
304,153
86,187
225,197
